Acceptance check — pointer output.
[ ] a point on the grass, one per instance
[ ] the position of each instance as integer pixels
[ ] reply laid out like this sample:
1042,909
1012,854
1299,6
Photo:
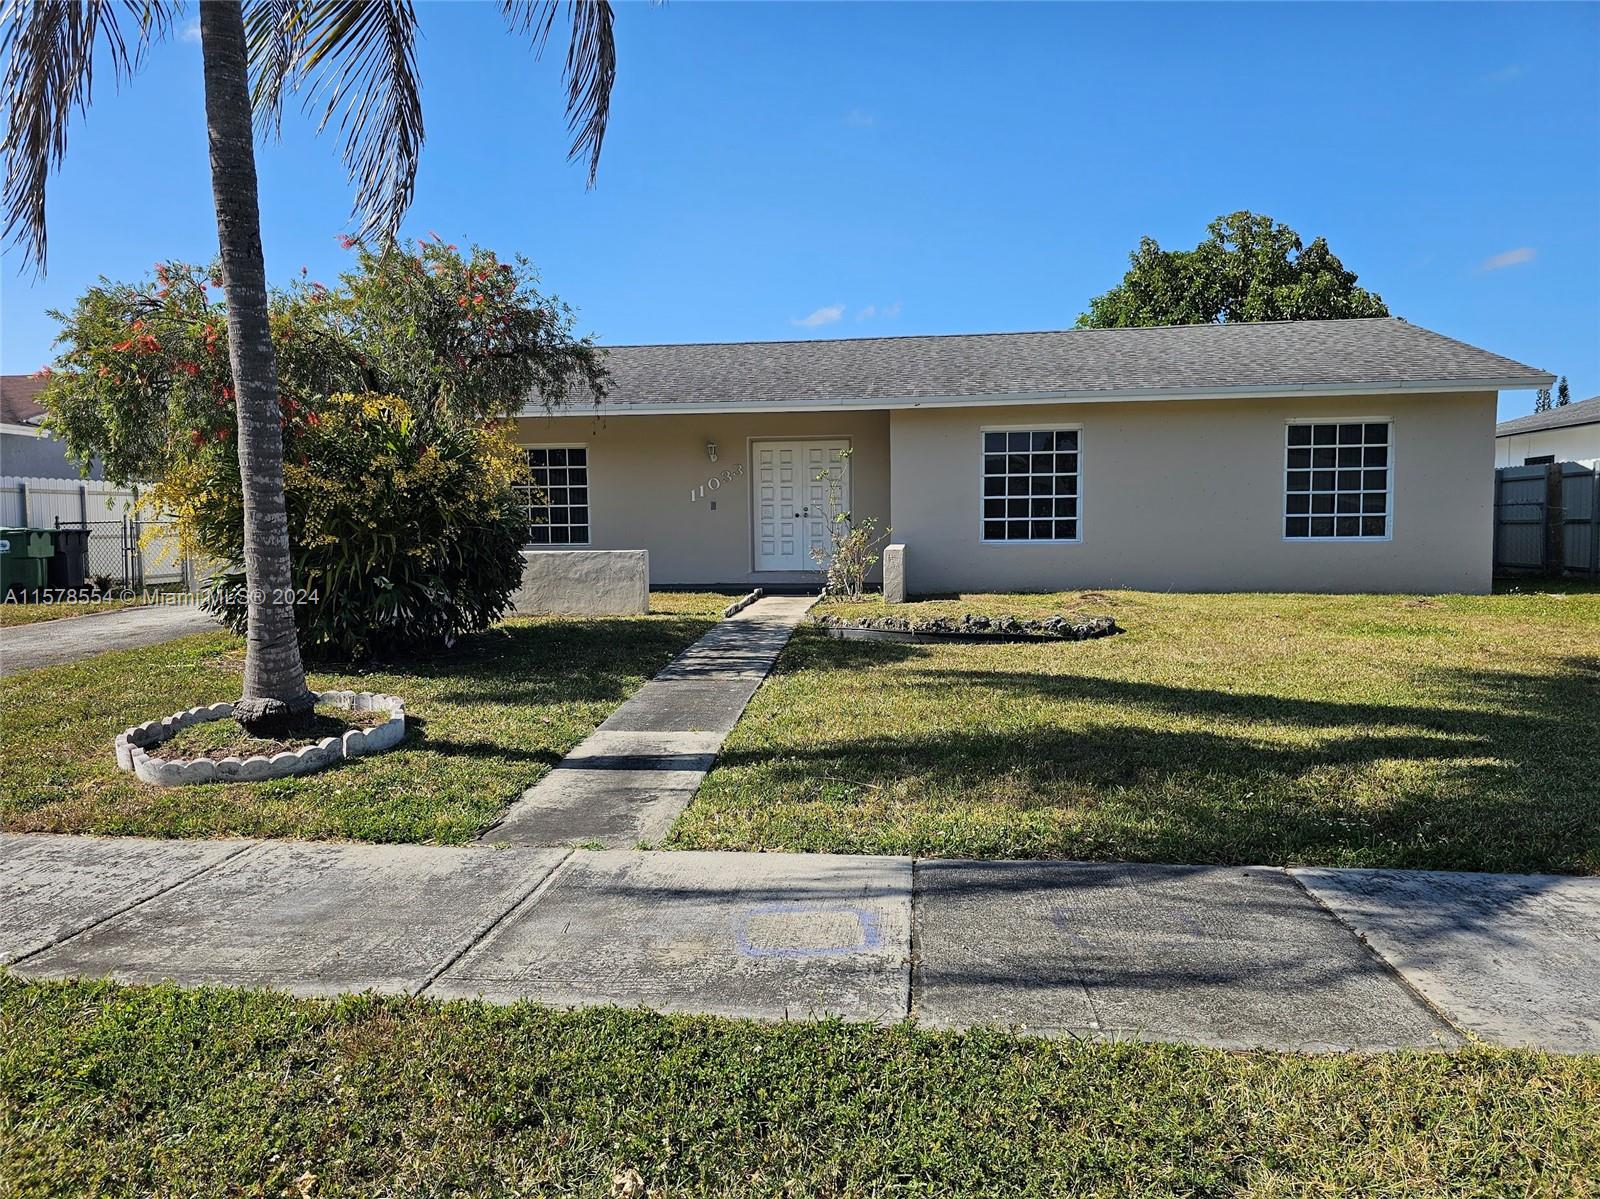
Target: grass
1452,733
218,739
485,721
112,1091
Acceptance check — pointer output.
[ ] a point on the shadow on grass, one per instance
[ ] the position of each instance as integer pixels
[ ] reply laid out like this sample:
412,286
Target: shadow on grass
594,661
1500,775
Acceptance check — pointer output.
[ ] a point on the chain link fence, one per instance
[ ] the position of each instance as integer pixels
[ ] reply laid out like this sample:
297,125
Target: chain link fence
132,554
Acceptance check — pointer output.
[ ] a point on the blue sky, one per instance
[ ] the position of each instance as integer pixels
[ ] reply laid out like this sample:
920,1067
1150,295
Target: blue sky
780,170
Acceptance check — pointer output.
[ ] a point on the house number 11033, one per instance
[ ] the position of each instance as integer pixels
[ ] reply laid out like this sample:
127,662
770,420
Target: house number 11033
714,484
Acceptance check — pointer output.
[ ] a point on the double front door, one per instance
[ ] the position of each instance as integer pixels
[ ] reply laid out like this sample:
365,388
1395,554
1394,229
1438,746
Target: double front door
792,503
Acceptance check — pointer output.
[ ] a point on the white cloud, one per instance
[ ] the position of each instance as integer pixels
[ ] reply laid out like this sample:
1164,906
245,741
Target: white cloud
886,312
860,118
1499,262
822,316
190,32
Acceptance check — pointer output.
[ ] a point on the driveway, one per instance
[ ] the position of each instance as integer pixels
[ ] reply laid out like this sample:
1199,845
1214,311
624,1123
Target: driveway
51,642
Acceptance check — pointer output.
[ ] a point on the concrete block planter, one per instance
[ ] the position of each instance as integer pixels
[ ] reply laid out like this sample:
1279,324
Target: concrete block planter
132,745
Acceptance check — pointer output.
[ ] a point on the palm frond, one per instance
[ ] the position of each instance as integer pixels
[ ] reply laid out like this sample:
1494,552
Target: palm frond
591,66
360,58
271,32
48,47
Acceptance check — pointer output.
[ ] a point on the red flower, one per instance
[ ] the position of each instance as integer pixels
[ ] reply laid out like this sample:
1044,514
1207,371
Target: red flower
197,437
462,301
227,392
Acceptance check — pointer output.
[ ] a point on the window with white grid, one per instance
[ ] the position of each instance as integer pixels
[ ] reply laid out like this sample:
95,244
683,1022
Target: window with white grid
1337,480
1030,485
557,498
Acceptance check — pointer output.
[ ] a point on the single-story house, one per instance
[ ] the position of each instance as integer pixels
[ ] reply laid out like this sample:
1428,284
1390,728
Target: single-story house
1570,433
26,450
1345,455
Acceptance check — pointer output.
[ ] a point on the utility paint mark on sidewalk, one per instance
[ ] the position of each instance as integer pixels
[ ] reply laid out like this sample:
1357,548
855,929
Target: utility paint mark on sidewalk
798,930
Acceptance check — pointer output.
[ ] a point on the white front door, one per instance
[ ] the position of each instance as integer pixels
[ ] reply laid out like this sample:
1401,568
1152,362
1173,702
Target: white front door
792,500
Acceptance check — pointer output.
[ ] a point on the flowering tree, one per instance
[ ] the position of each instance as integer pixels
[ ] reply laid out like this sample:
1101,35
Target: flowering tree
395,389
355,56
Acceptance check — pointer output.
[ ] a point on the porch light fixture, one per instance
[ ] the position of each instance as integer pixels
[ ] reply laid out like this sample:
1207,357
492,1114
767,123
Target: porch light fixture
711,450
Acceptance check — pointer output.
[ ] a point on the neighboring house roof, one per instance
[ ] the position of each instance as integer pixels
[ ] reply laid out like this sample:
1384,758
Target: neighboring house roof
1584,412
1371,356
18,405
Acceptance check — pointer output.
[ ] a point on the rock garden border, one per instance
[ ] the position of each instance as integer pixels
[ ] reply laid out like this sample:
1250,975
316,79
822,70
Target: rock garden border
967,628
743,602
132,744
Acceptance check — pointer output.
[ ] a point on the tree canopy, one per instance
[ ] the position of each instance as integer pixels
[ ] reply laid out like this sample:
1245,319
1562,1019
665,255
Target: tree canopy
1249,267
395,387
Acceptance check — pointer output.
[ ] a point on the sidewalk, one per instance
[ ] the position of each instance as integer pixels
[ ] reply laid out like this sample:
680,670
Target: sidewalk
51,642
627,782
1229,956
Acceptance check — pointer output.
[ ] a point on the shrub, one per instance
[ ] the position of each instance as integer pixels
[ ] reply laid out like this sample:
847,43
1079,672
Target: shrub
406,532
852,549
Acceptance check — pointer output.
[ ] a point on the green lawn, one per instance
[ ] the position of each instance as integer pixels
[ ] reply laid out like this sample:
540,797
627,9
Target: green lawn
1451,732
485,721
118,1091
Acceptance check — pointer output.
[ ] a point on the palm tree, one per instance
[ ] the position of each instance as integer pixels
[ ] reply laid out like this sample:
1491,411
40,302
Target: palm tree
359,55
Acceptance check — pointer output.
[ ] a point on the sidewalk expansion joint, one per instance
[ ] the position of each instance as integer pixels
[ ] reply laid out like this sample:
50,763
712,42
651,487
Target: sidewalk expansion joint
176,885
527,899
1384,963
913,952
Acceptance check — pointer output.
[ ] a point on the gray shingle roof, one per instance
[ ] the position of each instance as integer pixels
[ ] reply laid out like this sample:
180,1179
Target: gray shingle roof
1092,363
17,403
1584,412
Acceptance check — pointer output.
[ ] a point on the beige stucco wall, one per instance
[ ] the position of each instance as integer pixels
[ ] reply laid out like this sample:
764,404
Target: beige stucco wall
642,470
1580,443
1188,495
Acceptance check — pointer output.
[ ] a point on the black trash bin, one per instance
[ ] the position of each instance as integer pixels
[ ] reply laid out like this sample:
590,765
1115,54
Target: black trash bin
69,568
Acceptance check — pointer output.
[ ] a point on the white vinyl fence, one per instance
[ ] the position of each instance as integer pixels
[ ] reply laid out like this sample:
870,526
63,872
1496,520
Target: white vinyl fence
126,549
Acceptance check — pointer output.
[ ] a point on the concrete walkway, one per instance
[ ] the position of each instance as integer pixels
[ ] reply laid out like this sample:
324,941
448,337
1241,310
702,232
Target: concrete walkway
627,782
51,642
1228,956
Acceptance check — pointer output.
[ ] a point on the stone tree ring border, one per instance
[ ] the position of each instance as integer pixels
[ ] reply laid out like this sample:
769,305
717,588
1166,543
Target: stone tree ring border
132,744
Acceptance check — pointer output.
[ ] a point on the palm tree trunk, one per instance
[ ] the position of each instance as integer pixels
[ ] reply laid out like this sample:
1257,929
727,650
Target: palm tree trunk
274,679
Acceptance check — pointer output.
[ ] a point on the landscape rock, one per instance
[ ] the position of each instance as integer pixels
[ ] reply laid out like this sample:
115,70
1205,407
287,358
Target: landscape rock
971,624
130,744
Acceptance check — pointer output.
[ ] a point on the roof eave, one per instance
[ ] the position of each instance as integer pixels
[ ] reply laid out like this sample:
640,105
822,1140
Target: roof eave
1014,399
1502,431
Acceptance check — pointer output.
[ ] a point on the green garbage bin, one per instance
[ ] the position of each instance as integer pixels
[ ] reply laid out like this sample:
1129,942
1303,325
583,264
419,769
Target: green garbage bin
24,562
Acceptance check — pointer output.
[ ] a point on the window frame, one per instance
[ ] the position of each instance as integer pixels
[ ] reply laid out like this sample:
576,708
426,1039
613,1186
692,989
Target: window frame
588,465
1283,481
1037,427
